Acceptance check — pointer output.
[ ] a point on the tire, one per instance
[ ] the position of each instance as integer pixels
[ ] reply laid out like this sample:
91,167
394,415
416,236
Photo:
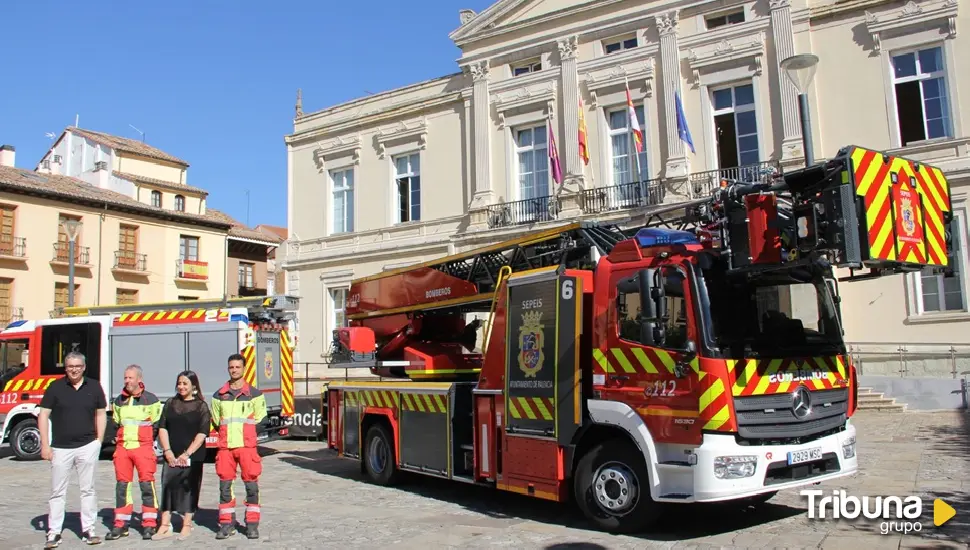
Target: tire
621,467
380,464
25,440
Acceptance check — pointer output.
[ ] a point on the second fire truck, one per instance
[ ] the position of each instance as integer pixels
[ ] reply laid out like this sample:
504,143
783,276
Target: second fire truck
629,370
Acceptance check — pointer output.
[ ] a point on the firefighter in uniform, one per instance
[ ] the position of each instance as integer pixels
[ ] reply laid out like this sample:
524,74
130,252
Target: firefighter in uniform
237,409
137,413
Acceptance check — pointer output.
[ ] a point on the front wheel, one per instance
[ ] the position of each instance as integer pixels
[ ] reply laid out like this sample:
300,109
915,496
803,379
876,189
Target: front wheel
25,440
379,461
612,488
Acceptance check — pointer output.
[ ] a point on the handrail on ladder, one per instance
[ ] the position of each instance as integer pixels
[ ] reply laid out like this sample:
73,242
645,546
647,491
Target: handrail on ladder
503,273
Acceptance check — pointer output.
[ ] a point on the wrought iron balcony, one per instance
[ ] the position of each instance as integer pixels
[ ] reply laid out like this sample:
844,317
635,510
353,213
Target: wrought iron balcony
703,183
526,211
13,247
130,261
622,197
9,314
82,254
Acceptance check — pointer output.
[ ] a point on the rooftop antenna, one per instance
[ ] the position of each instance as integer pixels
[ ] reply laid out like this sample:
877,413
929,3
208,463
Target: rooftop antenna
247,207
140,132
77,119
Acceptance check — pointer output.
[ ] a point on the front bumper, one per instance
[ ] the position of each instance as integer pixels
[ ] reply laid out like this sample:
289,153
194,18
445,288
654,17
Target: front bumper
751,470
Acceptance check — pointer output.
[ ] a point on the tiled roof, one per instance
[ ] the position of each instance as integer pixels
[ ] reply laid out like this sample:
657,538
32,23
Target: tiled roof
177,187
126,145
239,230
283,232
67,189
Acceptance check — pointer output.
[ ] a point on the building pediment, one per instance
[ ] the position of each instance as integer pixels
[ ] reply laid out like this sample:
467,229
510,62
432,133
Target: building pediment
511,14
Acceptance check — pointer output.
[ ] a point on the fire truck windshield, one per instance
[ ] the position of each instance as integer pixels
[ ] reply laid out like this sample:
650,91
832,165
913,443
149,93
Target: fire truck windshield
13,358
772,315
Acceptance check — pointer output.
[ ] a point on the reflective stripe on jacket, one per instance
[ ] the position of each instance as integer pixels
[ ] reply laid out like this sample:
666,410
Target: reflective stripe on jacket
137,418
235,414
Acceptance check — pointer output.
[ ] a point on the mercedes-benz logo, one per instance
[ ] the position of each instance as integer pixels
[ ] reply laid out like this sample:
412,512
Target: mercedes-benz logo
801,402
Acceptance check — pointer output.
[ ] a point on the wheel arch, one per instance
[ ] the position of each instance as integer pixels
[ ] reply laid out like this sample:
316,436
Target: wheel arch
17,415
614,419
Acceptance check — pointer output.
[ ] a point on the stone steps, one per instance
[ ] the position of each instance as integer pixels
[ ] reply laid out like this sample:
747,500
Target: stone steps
871,400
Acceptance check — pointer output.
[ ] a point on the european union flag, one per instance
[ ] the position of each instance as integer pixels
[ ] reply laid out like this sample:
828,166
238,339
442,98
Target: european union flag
682,130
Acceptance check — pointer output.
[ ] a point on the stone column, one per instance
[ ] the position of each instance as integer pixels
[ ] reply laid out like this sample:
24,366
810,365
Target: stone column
670,72
784,38
570,108
482,177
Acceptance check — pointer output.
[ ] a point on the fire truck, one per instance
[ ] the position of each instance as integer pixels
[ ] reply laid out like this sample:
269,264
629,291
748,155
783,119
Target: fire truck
695,357
164,339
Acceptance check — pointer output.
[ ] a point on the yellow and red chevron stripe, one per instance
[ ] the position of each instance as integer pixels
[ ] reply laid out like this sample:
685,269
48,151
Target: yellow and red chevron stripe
532,408
378,398
713,402
771,376
872,173
424,402
28,384
286,373
170,317
632,361
249,372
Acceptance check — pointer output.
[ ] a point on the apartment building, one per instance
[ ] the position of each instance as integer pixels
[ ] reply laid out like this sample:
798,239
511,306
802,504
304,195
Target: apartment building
250,253
463,160
125,251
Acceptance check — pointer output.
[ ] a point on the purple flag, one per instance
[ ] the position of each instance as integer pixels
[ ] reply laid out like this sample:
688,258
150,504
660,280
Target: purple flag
554,157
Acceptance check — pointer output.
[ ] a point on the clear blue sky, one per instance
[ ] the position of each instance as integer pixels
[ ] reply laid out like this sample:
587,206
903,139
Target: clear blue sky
212,82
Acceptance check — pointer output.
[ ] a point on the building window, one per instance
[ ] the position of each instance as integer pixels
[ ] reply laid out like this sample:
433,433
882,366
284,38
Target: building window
60,295
532,154
126,296
246,275
180,203
127,246
7,226
343,200
724,19
6,301
338,305
526,67
157,199
922,106
189,248
622,146
735,126
619,44
937,293
407,180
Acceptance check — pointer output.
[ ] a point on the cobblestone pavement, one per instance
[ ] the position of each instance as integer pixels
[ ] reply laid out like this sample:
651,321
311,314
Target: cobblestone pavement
312,500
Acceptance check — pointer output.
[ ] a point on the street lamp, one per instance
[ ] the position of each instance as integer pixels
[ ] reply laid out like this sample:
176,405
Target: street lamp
801,70
71,228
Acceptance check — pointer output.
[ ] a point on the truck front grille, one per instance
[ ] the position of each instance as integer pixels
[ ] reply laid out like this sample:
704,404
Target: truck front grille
772,417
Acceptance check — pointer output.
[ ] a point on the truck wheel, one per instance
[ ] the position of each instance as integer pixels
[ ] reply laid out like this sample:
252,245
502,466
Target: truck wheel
612,488
25,440
379,462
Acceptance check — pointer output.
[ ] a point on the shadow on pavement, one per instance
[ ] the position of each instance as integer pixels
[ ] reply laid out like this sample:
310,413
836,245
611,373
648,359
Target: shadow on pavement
679,522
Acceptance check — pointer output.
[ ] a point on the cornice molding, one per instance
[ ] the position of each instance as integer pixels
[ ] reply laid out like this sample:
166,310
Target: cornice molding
415,129
335,147
599,75
544,92
725,51
912,14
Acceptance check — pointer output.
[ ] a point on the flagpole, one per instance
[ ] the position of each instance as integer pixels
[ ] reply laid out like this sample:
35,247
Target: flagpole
633,144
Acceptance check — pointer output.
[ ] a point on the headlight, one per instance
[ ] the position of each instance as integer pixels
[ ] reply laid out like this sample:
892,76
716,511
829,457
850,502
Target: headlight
848,447
734,467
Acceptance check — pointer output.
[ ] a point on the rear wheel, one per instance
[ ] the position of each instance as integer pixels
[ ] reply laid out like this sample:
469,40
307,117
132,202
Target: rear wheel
612,488
25,440
379,461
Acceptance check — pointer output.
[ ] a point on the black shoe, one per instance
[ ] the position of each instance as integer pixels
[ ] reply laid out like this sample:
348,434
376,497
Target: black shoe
89,538
148,533
116,533
53,540
252,531
226,530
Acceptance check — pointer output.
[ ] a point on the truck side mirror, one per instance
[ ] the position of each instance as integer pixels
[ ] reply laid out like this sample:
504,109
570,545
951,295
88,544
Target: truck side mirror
648,308
682,368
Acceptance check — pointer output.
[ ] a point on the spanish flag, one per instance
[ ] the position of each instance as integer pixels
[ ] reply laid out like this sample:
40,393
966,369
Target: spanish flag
634,123
583,146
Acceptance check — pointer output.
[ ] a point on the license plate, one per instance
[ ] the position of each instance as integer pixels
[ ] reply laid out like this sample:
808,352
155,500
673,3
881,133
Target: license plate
805,455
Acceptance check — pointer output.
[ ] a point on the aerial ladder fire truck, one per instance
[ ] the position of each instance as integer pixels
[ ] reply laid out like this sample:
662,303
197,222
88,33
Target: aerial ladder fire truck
164,339
696,358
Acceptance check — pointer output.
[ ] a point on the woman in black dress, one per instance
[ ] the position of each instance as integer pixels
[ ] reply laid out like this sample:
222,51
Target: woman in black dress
183,427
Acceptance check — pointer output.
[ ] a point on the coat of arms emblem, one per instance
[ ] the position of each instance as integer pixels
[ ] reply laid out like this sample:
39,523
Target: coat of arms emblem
268,364
531,340
909,216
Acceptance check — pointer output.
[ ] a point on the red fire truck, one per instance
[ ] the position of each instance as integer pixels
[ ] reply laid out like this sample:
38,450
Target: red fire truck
631,369
165,339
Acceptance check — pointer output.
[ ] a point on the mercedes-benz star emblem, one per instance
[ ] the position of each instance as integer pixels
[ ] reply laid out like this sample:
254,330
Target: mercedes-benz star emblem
801,402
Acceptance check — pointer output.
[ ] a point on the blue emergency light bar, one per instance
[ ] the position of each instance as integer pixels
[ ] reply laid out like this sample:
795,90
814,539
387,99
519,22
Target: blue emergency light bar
656,236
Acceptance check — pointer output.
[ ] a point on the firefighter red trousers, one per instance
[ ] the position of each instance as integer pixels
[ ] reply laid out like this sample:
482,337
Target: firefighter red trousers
248,460
126,461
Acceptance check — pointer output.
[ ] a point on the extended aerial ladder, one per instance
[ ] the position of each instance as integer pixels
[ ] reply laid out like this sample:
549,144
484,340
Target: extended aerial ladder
262,309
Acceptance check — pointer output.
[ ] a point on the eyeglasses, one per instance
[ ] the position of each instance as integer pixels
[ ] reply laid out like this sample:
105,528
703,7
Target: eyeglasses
74,366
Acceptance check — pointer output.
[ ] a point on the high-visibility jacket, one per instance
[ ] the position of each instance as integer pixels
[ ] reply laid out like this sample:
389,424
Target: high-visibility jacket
137,418
235,414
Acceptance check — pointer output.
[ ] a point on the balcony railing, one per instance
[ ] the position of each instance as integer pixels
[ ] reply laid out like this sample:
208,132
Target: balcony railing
130,261
526,211
82,254
192,269
621,197
703,183
10,314
15,247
